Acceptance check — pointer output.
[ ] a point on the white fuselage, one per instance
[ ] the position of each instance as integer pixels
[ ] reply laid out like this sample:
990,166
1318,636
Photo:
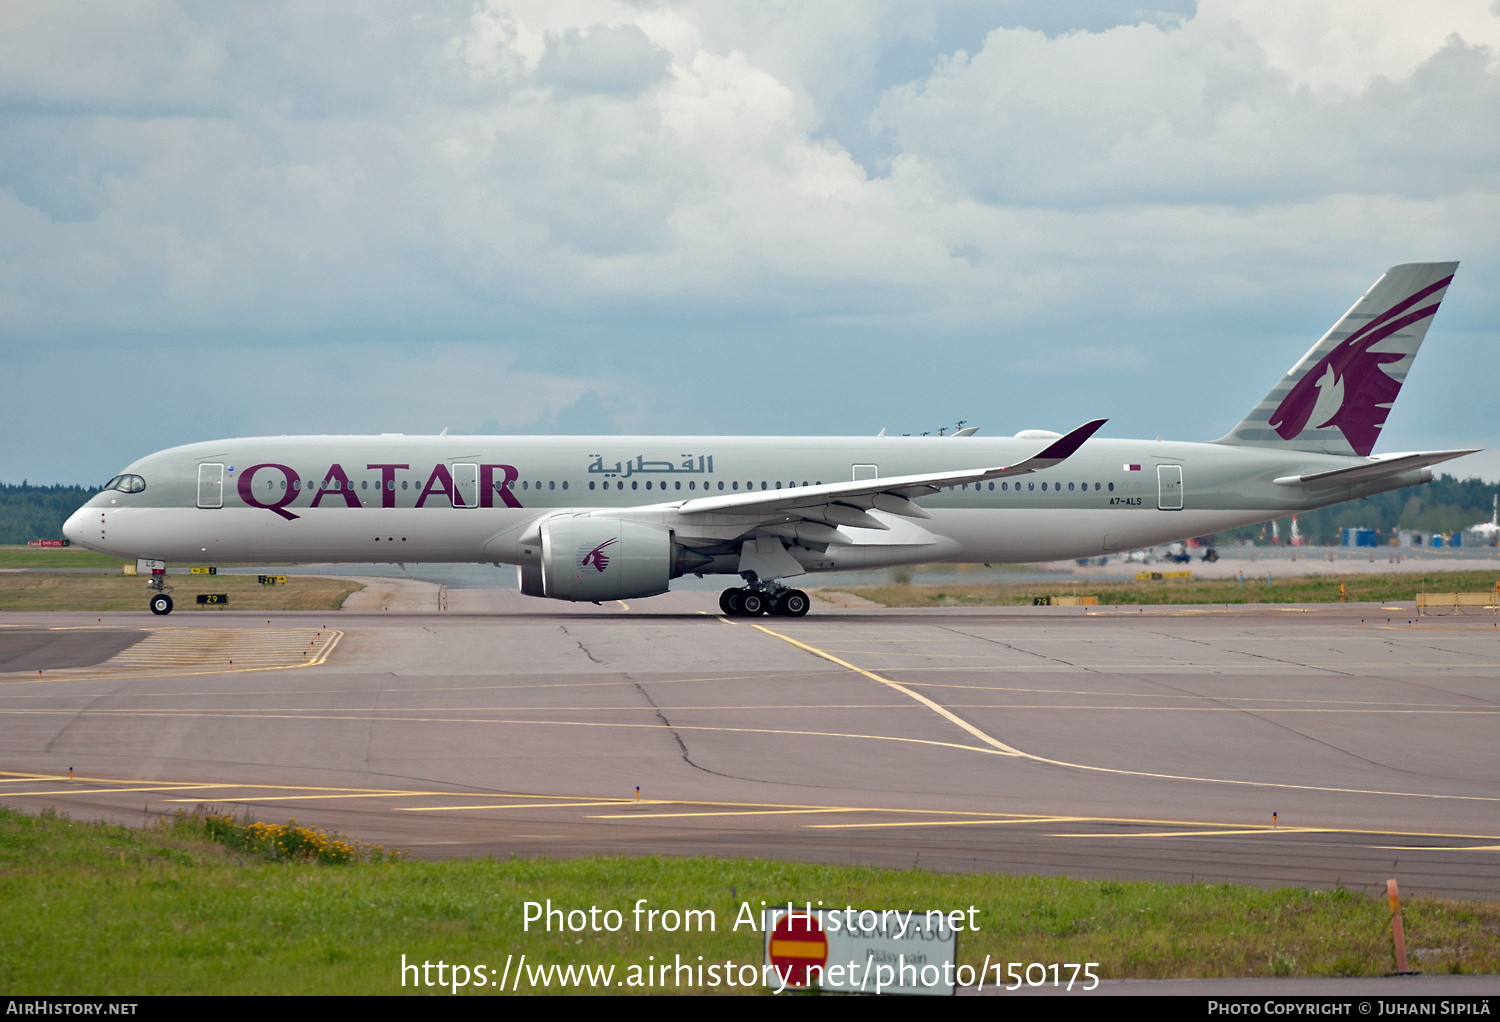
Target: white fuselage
364,499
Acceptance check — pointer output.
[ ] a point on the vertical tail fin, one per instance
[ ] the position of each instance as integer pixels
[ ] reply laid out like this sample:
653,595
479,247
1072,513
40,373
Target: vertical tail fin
1336,399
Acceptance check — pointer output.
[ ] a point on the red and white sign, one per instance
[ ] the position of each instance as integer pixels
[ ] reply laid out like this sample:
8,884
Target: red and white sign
862,950
796,942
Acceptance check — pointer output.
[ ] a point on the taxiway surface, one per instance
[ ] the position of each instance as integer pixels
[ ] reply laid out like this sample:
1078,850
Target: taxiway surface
1087,741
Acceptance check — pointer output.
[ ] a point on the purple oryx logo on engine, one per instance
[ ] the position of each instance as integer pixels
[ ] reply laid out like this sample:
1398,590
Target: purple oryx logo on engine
596,556
1347,387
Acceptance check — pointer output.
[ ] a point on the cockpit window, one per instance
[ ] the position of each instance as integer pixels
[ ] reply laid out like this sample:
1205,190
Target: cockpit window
126,484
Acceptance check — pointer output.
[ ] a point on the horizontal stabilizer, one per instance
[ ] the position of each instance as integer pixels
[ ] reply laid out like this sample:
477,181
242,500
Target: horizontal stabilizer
1373,468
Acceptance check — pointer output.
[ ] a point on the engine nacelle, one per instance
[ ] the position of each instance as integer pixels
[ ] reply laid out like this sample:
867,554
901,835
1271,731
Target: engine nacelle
586,559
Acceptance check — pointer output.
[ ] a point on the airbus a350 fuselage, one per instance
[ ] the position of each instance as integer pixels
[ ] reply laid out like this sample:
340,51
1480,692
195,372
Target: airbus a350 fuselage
376,499
588,518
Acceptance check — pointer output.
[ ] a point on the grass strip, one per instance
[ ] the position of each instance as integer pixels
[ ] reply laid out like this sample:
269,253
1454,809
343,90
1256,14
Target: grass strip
57,557
1359,588
80,591
185,908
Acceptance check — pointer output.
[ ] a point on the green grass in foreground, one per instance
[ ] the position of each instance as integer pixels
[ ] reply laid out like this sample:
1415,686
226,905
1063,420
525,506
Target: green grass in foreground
37,590
1361,588
91,908
56,557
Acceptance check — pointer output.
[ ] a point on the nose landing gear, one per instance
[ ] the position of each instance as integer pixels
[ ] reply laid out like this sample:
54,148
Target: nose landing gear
160,602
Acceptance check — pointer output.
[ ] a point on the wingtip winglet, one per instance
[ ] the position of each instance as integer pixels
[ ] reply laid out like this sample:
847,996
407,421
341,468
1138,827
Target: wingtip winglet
1066,445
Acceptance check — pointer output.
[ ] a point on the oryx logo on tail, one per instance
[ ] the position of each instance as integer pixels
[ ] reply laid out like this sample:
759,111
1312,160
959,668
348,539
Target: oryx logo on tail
597,557
1348,387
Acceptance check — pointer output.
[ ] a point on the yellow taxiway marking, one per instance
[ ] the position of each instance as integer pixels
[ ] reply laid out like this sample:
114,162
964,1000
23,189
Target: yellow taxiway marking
189,786
246,715
994,743
156,661
110,791
1007,750
915,652
1438,848
562,801
1159,666
361,794
997,689
1208,833
532,805
430,689
1057,692
726,812
946,823
376,714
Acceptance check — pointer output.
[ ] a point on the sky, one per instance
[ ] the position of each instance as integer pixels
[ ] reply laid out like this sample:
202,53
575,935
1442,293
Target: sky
822,217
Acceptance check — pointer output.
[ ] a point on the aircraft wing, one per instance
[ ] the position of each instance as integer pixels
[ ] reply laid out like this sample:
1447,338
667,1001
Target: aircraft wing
1372,468
846,503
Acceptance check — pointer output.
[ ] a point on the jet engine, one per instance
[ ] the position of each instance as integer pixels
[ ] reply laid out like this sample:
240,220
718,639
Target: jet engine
590,559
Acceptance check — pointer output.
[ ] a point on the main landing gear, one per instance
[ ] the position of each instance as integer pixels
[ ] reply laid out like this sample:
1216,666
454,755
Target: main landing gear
752,602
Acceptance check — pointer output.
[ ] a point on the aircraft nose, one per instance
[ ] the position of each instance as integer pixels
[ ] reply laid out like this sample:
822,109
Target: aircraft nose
73,528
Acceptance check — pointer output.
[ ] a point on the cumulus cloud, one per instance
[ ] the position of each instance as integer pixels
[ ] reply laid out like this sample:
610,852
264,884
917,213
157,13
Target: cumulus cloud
597,155
629,198
602,60
1190,114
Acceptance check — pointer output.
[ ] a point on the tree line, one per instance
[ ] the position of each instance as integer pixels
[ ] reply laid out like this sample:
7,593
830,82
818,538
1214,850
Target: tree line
1444,505
30,512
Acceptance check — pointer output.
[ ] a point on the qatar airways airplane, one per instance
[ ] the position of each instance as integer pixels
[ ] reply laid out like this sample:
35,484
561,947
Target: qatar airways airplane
616,517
